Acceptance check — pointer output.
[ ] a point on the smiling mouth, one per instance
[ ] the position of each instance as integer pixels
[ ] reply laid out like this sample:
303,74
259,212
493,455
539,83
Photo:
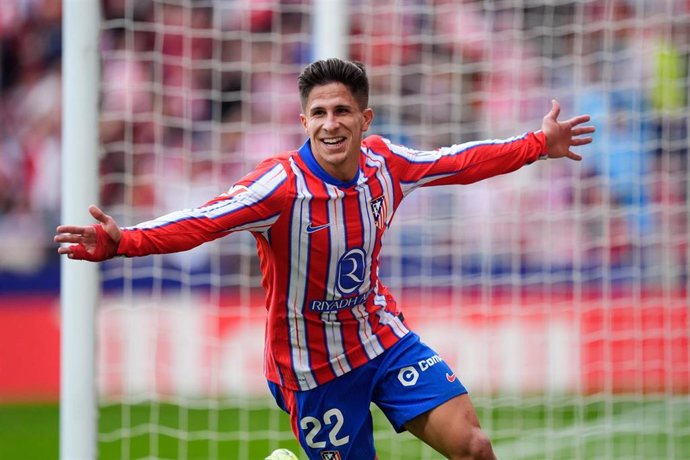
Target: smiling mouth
333,141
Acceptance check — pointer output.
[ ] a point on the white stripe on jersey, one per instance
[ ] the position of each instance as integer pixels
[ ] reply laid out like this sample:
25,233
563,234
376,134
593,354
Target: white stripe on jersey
336,234
431,156
245,198
368,233
334,343
299,255
388,318
259,226
408,187
384,176
393,321
371,343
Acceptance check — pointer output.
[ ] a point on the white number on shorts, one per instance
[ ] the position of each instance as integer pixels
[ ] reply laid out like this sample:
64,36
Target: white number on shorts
313,424
339,420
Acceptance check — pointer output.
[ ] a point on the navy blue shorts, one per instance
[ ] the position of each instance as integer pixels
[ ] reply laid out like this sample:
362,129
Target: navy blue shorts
333,421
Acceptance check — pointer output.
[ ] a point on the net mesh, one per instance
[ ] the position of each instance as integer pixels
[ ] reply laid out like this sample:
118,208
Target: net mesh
558,293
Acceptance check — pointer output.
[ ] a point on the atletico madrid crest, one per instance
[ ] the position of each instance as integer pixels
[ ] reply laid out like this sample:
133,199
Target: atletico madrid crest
330,455
379,209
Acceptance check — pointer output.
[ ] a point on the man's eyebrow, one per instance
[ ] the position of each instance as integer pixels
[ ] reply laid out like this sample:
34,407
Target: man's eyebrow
339,106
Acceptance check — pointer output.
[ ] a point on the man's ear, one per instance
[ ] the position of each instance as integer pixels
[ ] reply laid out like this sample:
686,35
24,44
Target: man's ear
368,114
303,120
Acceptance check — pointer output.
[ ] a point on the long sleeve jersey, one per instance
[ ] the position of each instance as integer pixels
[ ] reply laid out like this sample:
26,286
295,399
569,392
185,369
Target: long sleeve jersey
318,241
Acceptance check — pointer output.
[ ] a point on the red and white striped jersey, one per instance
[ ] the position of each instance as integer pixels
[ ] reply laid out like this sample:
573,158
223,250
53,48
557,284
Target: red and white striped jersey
319,240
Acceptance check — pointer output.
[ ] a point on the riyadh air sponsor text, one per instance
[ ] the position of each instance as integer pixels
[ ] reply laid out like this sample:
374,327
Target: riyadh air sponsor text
338,304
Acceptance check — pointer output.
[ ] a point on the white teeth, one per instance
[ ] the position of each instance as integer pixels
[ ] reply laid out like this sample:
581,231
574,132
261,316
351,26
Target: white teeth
333,141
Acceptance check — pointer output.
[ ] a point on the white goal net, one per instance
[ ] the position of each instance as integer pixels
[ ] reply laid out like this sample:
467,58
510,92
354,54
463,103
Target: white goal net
558,293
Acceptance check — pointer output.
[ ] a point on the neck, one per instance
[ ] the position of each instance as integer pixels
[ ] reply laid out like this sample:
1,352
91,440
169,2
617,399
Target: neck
345,172
341,177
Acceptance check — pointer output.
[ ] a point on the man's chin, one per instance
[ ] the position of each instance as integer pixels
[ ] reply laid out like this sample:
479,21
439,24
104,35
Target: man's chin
340,149
333,157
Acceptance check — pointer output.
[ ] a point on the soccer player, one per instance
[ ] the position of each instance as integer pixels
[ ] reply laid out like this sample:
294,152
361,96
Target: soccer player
336,339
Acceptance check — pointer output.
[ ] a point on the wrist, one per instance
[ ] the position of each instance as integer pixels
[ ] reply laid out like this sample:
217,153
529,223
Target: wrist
121,244
543,142
106,246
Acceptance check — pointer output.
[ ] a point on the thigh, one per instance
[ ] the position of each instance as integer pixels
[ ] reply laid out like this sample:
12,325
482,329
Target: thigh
332,421
449,428
413,380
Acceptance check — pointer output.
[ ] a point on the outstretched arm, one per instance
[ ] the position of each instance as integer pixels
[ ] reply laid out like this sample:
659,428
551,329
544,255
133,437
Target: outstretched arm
95,242
562,135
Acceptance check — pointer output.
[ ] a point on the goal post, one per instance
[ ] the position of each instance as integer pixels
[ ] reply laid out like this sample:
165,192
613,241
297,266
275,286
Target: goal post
80,282
330,29
558,293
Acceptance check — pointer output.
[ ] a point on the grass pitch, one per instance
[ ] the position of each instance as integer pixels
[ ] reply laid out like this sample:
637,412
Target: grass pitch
573,428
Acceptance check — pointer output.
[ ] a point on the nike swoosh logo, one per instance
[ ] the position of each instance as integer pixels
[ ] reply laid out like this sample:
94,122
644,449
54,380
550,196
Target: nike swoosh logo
311,229
451,378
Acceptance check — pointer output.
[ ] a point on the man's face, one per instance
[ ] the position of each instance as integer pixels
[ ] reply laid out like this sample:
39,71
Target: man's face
335,123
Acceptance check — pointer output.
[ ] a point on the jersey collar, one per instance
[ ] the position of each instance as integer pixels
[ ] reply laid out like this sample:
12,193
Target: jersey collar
308,157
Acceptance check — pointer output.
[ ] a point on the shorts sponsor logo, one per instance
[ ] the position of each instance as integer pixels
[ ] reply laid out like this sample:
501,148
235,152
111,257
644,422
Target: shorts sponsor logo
408,376
330,455
427,363
451,377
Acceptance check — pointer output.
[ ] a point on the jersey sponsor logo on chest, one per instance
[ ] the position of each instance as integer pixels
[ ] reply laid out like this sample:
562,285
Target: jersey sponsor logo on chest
351,270
349,277
339,304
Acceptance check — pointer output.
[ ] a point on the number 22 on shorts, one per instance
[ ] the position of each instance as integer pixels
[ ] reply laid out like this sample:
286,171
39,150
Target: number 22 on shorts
332,418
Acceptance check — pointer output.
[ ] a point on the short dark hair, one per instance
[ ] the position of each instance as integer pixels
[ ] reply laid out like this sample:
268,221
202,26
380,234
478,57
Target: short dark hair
350,73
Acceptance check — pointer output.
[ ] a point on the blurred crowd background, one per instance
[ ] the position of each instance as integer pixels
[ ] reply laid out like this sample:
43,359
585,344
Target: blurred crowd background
194,93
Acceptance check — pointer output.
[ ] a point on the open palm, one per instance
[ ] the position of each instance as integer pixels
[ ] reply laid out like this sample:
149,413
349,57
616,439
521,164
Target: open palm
562,135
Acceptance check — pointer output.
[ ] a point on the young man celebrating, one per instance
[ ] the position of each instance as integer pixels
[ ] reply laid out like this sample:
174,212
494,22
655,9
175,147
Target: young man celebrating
335,339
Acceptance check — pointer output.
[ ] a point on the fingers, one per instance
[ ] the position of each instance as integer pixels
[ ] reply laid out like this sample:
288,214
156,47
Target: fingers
581,141
578,120
574,156
98,214
82,229
65,250
77,251
582,130
76,229
74,238
72,251
555,109
83,241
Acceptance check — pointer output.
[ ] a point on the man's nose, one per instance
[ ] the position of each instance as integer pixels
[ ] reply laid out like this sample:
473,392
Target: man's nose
331,122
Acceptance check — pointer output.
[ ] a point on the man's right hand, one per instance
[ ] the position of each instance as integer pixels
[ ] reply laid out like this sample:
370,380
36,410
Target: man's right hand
95,242
562,135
